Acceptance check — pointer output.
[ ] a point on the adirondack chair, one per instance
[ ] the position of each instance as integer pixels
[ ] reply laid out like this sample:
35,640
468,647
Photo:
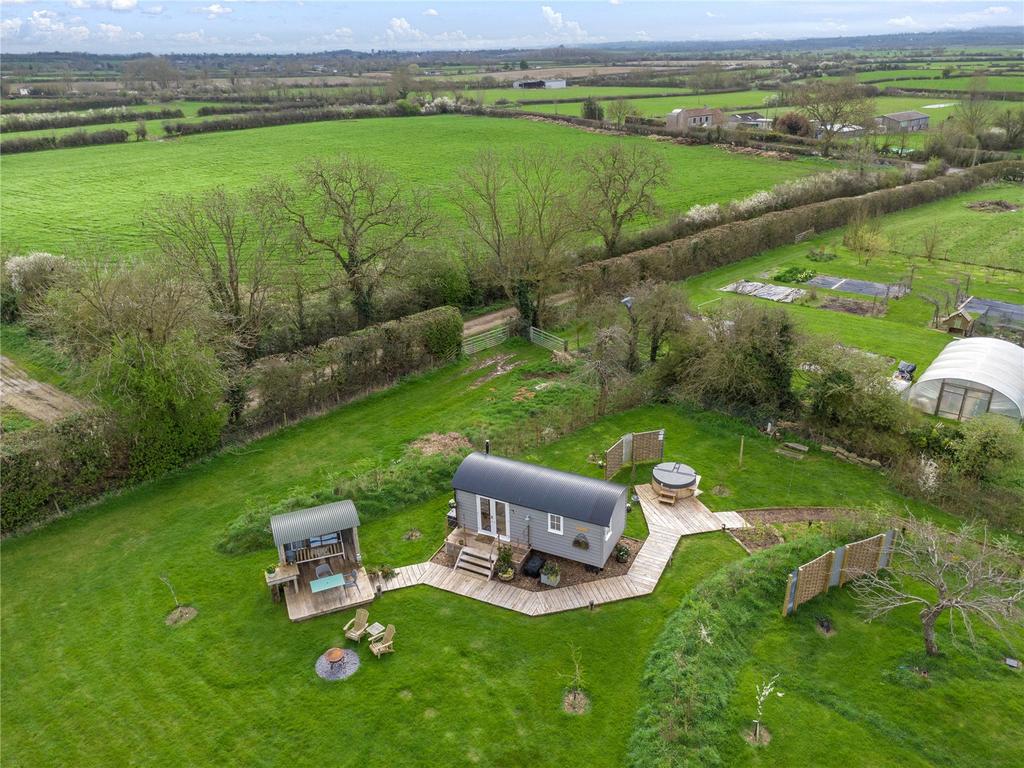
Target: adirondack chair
356,628
384,642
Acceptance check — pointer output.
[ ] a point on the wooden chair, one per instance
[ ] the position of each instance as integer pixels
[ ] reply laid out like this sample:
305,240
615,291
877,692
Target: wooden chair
324,570
356,628
384,642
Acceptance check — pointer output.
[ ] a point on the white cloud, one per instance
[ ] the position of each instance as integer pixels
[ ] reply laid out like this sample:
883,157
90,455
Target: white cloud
400,29
903,21
215,10
259,39
9,27
988,14
339,35
642,34
562,27
115,33
199,37
153,10
46,27
615,2
431,12
110,5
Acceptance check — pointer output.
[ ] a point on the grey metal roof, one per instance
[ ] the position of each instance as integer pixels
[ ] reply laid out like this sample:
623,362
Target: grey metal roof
315,521
546,490
909,115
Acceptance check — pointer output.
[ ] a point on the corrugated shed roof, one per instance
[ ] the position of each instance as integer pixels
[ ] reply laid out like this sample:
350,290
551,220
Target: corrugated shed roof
546,490
315,521
910,115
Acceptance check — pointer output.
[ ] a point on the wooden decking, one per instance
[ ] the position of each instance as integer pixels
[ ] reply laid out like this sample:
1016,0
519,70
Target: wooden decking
666,524
304,604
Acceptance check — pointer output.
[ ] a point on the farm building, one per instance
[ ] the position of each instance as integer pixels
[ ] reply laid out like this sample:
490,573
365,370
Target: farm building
685,119
749,120
959,322
843,131
531,507
539,84
903,122
971,377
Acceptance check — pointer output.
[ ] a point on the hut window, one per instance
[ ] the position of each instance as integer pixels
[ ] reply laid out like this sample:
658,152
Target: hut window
555,524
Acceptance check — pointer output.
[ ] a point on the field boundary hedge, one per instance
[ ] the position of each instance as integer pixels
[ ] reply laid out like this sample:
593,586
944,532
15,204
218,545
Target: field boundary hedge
733,242
42,121
66,141
47,470
287,387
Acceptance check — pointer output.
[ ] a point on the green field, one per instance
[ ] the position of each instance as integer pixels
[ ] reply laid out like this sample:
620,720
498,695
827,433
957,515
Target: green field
662,106
1001,83
114,185
492,95
83,608
993,239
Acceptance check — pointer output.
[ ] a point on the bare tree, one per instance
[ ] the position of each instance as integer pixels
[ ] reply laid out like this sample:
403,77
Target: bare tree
619,181
357,215
230,245
974,114
519,209
618,110
605,364
662,309
832,104
964,573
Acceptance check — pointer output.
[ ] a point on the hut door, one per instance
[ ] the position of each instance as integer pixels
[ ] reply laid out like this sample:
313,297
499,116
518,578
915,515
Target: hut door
493,517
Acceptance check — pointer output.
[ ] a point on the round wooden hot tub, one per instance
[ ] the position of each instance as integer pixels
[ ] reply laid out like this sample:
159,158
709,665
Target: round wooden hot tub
671,478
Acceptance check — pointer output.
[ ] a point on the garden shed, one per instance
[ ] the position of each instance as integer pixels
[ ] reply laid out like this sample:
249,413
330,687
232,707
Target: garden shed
557,513
971,377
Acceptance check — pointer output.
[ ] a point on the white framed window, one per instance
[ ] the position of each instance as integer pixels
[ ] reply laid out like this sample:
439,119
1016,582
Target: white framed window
555,524
608,533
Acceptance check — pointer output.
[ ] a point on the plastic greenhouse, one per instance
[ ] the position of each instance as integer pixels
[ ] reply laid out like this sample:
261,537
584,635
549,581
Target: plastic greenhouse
971,377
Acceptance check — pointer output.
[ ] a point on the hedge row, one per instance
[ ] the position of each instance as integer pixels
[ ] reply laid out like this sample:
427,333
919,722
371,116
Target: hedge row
344,367
68,105
262,119
68,140
740,240
41,121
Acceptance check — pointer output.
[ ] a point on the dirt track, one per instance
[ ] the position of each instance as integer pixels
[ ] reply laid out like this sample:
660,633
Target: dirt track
494,319
35,399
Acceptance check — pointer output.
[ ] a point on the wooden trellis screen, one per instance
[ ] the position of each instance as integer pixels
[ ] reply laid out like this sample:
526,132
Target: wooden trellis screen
635,448
835,568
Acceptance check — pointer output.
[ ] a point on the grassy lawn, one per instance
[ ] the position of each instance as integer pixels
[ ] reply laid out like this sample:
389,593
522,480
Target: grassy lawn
988,238
848,702
115,184
83,608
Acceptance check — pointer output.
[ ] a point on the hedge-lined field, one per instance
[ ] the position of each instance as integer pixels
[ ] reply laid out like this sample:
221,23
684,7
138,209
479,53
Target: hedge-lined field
115,185
662,106
1000,83
492,95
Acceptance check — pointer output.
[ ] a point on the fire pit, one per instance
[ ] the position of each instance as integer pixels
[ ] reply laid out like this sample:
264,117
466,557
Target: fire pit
337,664
673,480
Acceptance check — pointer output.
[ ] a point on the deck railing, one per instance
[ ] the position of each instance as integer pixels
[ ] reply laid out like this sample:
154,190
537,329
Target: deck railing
308,554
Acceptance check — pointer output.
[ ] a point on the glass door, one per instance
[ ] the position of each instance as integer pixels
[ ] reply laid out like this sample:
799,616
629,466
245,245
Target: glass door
485,520
501,519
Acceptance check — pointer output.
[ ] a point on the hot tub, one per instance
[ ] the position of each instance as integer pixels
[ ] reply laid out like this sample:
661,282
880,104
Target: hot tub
675,480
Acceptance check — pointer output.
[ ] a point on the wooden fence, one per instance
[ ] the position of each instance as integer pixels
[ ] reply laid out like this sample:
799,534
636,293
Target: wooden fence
495,336
634,448
835,568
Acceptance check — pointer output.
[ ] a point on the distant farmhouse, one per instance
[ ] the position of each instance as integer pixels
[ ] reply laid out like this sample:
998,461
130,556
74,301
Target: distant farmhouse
688,119
903,122
749,120
539,84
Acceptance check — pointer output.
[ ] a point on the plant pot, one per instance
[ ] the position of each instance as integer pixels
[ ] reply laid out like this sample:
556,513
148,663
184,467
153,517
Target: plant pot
622,558
550,581
506,575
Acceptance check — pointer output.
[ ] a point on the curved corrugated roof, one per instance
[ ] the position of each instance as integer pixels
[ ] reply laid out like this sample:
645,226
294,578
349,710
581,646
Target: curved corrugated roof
540,488
995,363
315,521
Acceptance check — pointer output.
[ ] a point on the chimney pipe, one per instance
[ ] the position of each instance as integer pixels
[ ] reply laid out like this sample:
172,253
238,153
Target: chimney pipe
487,447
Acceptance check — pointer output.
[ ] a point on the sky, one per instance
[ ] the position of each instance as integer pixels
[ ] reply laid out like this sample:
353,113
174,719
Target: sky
290,26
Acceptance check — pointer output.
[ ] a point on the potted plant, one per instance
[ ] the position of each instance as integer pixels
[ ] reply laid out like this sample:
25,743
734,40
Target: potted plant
621,553
581,542
503,564
550,574
270,569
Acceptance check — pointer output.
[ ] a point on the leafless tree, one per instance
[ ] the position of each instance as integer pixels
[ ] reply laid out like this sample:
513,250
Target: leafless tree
618,185
357,215
964,573
974,113
230,245
604,365
520,212
832,104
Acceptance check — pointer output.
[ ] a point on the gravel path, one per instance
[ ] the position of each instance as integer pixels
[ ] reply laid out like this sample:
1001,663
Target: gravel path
35,399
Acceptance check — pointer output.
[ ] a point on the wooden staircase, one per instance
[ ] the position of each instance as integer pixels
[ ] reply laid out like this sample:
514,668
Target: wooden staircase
475,561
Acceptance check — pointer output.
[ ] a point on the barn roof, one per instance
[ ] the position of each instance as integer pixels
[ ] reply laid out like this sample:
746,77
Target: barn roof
909,115
546,490
315,521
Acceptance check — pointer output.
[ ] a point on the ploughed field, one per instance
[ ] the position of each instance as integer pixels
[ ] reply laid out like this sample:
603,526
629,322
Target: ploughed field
72,200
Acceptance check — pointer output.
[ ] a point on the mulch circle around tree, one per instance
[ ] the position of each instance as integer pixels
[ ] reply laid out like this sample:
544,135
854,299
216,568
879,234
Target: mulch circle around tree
180,615
993,206
575,702
412,534
339,670
764,737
